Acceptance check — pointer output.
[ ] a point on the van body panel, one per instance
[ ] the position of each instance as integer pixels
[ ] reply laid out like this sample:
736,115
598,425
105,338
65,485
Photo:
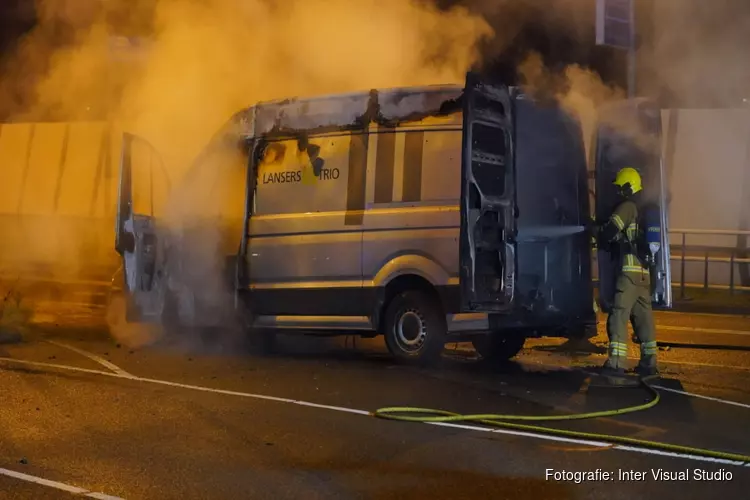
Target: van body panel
412,218
304,251
413,262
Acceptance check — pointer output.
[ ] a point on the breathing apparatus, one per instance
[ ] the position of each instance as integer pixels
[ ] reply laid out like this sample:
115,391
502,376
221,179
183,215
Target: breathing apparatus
629,184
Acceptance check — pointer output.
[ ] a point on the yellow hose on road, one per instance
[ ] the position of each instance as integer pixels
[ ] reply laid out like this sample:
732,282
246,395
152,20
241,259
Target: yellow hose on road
430,415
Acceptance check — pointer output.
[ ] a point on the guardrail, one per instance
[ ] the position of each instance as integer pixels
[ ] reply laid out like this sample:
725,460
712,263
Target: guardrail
735,257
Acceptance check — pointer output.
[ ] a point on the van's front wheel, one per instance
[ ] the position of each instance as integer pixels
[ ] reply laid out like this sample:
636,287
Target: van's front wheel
415,327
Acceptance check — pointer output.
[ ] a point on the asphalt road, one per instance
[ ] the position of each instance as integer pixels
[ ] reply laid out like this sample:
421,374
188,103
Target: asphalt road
195,419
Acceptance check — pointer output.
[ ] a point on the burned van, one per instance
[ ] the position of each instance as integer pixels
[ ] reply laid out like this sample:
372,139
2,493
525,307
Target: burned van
430,214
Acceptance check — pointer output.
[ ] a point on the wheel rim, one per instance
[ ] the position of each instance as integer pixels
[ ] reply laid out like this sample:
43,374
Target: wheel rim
411,330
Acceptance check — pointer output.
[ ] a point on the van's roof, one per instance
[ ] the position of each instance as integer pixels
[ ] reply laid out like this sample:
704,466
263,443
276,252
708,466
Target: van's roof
342,110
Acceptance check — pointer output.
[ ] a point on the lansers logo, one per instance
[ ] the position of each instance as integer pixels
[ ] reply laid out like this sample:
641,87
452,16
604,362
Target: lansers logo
310,166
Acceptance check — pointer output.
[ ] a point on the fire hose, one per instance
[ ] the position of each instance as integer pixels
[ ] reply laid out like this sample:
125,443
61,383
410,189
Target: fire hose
429,415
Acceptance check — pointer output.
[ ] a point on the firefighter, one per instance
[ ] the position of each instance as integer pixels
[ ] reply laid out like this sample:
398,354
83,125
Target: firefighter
633,285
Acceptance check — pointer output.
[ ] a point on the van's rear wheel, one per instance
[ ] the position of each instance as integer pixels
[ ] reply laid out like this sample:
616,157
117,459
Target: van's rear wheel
415,327
501,345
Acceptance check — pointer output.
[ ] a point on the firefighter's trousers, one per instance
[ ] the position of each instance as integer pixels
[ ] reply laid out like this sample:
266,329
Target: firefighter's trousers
632,303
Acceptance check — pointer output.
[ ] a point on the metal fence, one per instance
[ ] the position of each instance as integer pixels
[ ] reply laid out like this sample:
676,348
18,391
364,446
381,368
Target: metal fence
682,252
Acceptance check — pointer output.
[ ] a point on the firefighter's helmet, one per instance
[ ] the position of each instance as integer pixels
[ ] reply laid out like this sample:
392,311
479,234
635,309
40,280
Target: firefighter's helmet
628,179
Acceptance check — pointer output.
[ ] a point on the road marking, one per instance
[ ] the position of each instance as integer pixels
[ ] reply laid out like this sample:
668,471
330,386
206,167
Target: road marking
251,395
633,358
701,330
591,443
93,357
187,386
711,398
595,444
673,454
673,312
701,396
692,363
75,490
62,367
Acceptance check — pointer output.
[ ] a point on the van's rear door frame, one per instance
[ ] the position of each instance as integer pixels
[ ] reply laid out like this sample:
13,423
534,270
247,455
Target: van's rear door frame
487,247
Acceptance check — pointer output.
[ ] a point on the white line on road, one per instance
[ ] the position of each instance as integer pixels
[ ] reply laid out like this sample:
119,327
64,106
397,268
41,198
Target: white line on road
61,367
585,442
75,490
694,363
673,312
677,391
661,361
93,357
186,386
701,396
700,329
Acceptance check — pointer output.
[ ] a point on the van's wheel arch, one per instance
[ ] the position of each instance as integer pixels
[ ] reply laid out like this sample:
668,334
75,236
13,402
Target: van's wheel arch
414,324
501,345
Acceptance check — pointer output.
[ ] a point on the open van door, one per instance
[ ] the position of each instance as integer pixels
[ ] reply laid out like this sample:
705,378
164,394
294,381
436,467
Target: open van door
629,134
142,194
487,248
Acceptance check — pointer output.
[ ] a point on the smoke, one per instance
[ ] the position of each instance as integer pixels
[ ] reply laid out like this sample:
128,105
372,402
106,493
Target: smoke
578,90
699,57
205,60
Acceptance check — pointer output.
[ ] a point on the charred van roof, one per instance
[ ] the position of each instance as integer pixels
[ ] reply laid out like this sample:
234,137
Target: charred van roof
354,110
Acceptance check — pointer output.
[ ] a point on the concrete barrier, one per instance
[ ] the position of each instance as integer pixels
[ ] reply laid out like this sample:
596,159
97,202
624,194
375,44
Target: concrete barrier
58,186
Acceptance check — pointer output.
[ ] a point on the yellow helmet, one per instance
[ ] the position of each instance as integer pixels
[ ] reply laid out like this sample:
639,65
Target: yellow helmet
629,175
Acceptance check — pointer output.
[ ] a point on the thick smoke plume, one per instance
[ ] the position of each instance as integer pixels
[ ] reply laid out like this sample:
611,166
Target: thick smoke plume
204,60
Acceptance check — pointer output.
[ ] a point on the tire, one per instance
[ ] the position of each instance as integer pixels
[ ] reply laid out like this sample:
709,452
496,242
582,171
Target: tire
415,327
500,346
